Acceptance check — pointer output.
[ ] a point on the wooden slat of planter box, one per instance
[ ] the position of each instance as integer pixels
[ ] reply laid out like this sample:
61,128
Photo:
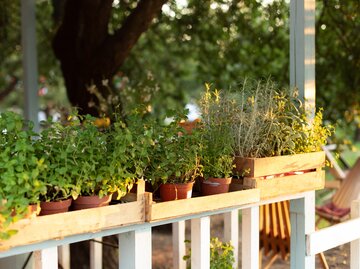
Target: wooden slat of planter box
257,167
171,209
288,184
57,226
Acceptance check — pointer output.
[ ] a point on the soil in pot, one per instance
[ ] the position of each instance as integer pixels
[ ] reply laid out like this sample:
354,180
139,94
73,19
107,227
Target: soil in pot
49,208
84,202
169,191
215,186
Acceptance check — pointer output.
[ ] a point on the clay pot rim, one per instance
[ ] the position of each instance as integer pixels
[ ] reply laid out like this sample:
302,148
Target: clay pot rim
57,204
220,180
58,201
88,199
190,182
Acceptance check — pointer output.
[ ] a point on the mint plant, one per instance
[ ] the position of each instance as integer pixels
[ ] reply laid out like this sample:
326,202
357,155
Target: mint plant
60,160
175,155
19,170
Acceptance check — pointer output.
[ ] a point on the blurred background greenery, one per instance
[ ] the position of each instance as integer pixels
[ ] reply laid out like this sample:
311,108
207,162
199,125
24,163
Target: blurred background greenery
192,42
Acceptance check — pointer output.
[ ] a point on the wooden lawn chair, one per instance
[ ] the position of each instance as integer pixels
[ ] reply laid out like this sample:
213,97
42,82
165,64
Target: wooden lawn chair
275,231
338,209
335,169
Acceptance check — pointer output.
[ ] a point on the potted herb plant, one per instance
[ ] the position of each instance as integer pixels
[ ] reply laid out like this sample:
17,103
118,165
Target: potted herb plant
175,161
143,130
92,173
19,170
126,159
217,142
272,134
59,154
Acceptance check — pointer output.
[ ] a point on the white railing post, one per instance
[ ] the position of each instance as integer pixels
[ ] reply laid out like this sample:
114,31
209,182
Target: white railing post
46,258
135,249
302,217
355,245
231,232
200,243
250,238
64,256
96,254
179,248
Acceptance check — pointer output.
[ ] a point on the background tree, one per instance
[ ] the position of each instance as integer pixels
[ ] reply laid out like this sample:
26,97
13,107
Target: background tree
338,62
90,51
188,43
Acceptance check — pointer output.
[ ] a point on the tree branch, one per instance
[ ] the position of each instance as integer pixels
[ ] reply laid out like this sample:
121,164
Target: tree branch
135,24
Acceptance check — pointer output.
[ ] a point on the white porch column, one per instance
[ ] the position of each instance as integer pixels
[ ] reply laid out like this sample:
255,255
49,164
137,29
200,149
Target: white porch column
302,50
135,249
355,245
231,232
250,238
200,243
302,217
30,68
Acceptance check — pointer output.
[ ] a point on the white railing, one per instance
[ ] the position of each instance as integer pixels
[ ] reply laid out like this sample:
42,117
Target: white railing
135,240
337,235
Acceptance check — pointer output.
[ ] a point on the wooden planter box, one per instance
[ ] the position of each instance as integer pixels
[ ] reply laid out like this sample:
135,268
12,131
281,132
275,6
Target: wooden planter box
282,175
178,208
57,226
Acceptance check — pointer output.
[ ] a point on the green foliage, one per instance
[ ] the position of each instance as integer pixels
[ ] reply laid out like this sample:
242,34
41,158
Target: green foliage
19,170
11,53
221,254
315,135
128,154
217,138
200,41
267,121
210,41
175,155
337,70
101,157
90,155
59,152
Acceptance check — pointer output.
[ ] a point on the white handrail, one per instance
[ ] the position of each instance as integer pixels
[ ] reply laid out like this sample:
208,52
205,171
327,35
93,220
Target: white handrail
337,235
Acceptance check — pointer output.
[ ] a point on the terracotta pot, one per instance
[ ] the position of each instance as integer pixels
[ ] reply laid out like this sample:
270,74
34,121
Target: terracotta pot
215,186
84,202
49,208
169,191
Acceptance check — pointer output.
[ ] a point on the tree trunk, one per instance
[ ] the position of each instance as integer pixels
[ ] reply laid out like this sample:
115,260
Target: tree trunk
88,54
